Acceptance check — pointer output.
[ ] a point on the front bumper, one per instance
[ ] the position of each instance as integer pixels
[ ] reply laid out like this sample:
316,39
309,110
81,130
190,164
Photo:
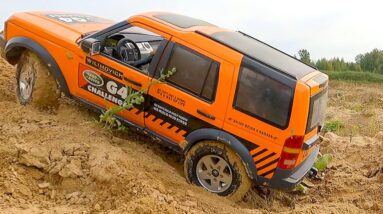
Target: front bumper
289,178
3,42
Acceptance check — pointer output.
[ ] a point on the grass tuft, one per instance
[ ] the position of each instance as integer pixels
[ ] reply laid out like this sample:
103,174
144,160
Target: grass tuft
355,76
333,126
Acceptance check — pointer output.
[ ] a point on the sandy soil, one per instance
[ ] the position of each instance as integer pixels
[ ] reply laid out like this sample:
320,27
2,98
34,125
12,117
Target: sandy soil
64,162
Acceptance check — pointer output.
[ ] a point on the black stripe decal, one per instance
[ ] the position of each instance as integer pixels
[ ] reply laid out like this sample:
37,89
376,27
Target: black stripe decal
148,115
162,123
178,130
269,164
139,111
268,172
258,153
171,126
131,109
264,158
155,119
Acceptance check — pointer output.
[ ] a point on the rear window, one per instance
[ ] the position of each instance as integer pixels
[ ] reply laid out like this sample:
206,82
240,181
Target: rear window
317,110
263,97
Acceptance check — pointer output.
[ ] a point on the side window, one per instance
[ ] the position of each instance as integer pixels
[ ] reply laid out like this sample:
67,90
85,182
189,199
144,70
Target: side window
263,97
195,73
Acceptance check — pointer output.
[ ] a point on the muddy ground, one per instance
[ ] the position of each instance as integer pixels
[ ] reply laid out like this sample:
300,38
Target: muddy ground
64,162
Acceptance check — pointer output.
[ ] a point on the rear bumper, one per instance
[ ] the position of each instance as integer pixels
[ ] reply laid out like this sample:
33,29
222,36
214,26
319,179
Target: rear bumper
289,178
3,42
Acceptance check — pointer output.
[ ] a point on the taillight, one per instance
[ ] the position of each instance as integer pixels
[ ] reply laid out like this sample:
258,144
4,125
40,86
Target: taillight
290,152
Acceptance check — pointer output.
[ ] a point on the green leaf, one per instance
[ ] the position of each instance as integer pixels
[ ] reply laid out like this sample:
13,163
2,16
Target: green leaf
301,189
322,162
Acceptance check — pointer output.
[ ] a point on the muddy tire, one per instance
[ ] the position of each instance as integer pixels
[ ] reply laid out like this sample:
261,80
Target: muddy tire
217,168
35,85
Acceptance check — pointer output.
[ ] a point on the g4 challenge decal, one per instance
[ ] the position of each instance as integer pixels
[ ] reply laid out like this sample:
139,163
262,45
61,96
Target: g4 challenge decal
101,85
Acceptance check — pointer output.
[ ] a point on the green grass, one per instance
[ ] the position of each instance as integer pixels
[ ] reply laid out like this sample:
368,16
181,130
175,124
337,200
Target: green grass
333,126
355,76
322,162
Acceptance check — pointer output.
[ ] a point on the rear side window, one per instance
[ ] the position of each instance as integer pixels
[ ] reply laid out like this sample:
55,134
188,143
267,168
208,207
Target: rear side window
263,97
195,73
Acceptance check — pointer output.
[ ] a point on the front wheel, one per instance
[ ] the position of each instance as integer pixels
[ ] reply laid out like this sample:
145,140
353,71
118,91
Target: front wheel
218,169
35,84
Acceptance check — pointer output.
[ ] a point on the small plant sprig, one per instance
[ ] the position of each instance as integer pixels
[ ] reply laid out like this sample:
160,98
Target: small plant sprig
133,98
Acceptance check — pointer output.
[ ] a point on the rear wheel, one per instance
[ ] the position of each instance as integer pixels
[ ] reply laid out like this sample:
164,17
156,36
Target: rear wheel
218,169
35,84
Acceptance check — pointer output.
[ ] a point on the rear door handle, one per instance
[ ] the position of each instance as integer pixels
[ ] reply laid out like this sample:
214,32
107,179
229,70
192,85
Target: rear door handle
132,82
212,117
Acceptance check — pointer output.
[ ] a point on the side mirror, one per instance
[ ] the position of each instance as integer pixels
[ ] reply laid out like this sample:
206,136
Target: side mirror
91,46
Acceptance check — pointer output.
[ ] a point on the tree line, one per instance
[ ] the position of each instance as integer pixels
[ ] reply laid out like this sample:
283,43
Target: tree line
368,62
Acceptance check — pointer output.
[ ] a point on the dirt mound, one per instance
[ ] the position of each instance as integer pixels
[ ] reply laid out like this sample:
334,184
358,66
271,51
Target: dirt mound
64,162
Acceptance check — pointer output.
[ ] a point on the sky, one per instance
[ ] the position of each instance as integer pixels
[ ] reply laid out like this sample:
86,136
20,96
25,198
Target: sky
326,28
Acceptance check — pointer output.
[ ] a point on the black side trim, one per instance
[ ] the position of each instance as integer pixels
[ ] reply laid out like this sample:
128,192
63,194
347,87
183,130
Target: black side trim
17,45
163,140
228,139
132,82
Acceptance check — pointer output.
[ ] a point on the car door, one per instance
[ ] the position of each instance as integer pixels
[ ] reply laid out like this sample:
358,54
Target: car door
193,97
103,80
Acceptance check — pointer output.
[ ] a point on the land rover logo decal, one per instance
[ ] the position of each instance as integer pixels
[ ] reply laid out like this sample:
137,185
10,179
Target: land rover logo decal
93,78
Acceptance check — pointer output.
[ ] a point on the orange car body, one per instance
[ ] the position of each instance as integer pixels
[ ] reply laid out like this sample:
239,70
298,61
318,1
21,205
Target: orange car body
260,144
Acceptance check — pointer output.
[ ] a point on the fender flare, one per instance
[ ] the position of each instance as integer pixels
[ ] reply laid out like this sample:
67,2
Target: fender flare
227,139
17,45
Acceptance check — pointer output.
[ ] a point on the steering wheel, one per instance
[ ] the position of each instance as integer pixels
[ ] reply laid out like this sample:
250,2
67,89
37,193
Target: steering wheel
128,50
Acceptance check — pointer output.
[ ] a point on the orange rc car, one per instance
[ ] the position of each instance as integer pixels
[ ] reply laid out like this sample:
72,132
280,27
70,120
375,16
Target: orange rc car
241,111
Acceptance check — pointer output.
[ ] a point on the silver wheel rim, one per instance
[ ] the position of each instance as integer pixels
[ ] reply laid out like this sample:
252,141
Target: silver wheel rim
26,81
214,173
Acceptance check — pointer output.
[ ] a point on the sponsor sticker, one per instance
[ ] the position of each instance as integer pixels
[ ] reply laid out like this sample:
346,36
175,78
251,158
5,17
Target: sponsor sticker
76,18
102,86
170,114
93,78
104,68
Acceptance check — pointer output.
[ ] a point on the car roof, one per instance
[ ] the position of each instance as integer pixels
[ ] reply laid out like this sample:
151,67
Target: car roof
237,41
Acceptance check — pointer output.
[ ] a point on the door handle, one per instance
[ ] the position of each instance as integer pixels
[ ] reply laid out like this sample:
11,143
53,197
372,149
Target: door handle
132,82
212,117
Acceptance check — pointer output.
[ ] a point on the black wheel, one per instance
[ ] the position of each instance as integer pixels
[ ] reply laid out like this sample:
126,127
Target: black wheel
218,169
34,83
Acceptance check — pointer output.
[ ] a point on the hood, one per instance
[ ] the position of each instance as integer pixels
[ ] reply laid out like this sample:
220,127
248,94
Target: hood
60,24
